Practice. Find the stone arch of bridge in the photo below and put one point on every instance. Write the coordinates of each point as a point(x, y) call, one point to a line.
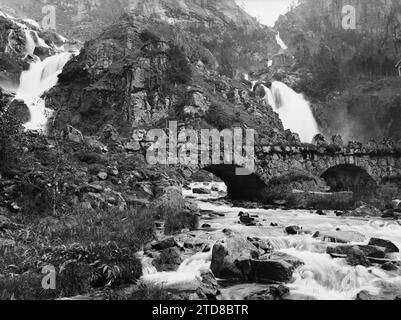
point(348, 177)
point(241, 184)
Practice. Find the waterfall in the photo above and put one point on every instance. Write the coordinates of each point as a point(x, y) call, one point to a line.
point(280, 42)
point(41, 77)
point(30, 44)
point(293, 109)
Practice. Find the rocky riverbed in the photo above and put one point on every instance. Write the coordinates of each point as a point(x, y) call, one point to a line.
point(274, 254)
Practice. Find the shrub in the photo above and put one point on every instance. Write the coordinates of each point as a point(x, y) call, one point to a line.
point(9, 136)
point(131, 228)
point(179, 70)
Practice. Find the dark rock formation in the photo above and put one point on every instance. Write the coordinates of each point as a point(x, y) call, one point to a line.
point(140, 72)
point(388, 245)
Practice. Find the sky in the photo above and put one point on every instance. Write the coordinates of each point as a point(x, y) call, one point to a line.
point(267, 11)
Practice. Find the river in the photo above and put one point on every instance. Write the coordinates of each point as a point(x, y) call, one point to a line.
point(321, 277)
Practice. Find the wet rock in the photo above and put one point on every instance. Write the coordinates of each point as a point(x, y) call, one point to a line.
point(169, 260)
point(368, 251)
point(164, 244)
point(246, 219)
point(293, 230)
point(366, 296)
point(320, 212)
point(274, 292)
point(261, 245)
point(227, 232)
point(356, 257)
point(225, 255)
point(206, 226)
point(266, 271)
point(388, 245)
point(209, 289)
point(281, 256)
point(341, 236)
point(201, 191)
point(389, 266)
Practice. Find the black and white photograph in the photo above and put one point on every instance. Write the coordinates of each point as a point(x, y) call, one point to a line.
point(203, 156)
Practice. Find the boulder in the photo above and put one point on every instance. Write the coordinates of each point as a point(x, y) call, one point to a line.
point(356, 257)
point(388, 245)
point(164, 244)
point(266, 271)
point(238, 259)
point(293, 230)
point(368, 251)
point(264, 246)
point(169, 260)
point(273, 292)
point(389, 266)
point(227, 252)
point(246, 219)
point(280, 256)
point(209, 288)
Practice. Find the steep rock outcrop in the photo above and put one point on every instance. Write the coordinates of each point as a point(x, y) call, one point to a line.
point(136, 76)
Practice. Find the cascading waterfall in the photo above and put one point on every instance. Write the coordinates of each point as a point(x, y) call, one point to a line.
point(30, 42)
point(41, 77)
point(280, 42)
point(294, 110)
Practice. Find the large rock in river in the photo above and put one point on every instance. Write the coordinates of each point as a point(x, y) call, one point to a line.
point(238, 259)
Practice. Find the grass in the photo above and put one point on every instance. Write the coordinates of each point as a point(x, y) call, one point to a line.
point(88, 250)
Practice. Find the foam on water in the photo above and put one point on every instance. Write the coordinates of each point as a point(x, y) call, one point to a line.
point(187, 277)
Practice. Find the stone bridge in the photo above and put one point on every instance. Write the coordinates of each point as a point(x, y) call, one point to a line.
point(359, 163)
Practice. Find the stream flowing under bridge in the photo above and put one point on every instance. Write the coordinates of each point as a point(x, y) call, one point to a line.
point(359, 164)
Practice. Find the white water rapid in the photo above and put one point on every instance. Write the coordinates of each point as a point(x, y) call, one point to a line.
point(293, 109)
point(321, 277)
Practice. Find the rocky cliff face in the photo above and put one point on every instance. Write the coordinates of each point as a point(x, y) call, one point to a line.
point(316, 27)
point(349, 73)
point(180, 63)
